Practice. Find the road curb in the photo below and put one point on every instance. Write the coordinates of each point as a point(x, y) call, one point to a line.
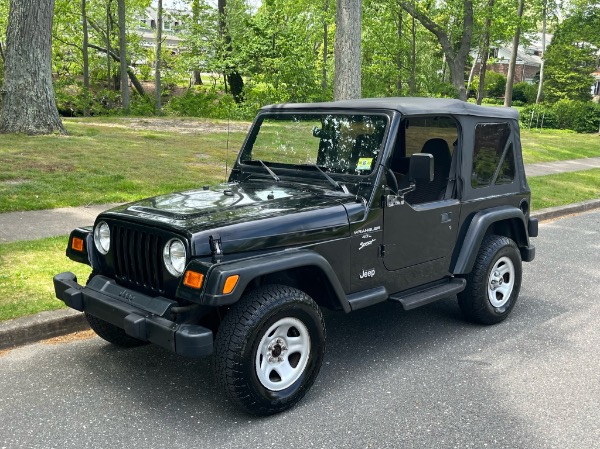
point(44, 325)
point(560, 211)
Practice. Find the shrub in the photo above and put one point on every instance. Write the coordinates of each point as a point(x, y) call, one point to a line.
point(524, 93)
point(210, 104)
point(495, 84)
point(579, 116)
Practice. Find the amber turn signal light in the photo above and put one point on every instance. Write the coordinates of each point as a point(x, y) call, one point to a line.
point(77, 244)
point(230, 284)
point(193, 279)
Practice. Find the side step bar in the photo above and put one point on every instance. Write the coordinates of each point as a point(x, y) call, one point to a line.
point(413, 299)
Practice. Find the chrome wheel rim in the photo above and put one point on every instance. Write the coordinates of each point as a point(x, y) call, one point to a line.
point(282, 354)
point(501, 282)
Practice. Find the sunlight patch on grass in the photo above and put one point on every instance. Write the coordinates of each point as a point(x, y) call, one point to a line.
point(26, 271)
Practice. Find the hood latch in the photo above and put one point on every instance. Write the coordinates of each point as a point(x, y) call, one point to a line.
point(216, 247)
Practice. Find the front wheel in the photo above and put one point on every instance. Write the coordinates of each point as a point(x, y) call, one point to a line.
point(269, 349)
point(494, 283)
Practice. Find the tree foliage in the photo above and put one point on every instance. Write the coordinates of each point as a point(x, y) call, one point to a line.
point(571, 57)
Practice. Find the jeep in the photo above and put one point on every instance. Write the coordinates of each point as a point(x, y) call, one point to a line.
point(337, 205)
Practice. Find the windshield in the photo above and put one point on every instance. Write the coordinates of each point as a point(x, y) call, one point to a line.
point(336, 143)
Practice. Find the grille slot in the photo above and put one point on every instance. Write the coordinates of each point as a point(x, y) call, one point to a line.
point(137, 257)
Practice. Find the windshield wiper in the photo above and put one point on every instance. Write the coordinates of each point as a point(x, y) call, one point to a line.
point(332, 181)
point(271, 172)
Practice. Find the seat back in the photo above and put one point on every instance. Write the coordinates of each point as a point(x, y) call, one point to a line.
point(436, 189)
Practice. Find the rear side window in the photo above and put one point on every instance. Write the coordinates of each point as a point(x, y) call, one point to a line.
point(493, 155)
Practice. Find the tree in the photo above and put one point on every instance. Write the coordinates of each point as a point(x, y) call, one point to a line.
point(571, 56)
point(485, 51)
point(86, 69)
point(28, 104)
point(455, 40)
point(538, 98)
point(159, 27)
point(510, 79)
point(123, 55)
point(233, 78)
point(347, 50)
point(196, 12)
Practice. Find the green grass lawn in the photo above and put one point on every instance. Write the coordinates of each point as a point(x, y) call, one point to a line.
point(112, 159)
point(26, 271)
point(557, 145)
point(564, 188)
point(104, 160)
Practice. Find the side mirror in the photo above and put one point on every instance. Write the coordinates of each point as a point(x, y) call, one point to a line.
point(421, 167)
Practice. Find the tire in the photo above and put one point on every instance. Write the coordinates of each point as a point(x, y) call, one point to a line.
point(110, 332)
point(269, 349)
point(494, 283)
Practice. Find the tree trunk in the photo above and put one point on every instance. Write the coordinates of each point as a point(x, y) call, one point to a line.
point(412, 83)
point(157, 86)
point(232, 77)
point(325, 45)
point(472, 72)
point(485, 52)
point(513, 58)
point(108, 50)
point(538, 98)
point(1, 51)
point(123, 56)
point(347, 49)
point(399, 54)
point(196, 75)
point(86, 70)
point(28, 104)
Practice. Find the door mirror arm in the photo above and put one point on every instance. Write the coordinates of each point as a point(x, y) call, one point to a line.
point(398, 198)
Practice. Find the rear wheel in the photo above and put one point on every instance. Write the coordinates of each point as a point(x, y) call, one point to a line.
point(269, 349)
point(494, 283)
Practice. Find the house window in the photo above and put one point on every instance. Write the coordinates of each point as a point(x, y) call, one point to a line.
point(493, 155)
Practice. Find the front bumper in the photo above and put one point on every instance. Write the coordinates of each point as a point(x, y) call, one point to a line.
point(140, 316)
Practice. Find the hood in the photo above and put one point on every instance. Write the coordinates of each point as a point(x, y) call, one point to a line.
point(247, 216)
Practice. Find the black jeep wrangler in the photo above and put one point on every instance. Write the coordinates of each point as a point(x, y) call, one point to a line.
point(332, 205)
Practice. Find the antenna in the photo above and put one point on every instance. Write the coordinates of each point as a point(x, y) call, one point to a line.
point(227, 150)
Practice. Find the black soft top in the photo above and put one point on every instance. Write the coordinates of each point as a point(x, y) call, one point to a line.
point(406, 106)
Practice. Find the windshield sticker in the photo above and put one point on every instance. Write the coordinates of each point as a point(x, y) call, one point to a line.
point(364, 163)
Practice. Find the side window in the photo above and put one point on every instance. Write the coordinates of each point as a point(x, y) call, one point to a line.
point(435, 135)
point(493, 155)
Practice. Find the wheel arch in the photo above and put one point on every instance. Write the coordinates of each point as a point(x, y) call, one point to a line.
point(506, 221)
point(304, 269)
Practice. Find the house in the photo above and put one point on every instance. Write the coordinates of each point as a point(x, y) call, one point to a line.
point(173, 20)
point(529, 59)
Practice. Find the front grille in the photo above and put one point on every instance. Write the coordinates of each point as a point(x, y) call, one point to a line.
point(138, 258)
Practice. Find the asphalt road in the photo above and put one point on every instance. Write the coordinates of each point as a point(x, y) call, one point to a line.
point(392, 379)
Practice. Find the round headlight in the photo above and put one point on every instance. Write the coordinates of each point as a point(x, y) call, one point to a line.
point(102, 237)
point(174, 257)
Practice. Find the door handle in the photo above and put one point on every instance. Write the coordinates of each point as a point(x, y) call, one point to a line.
point(446, 217)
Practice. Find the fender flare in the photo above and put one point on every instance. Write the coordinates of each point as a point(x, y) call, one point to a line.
point(249, 269)
point(478, 227)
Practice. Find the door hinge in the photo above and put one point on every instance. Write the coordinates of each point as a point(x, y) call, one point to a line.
point(381, 250)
